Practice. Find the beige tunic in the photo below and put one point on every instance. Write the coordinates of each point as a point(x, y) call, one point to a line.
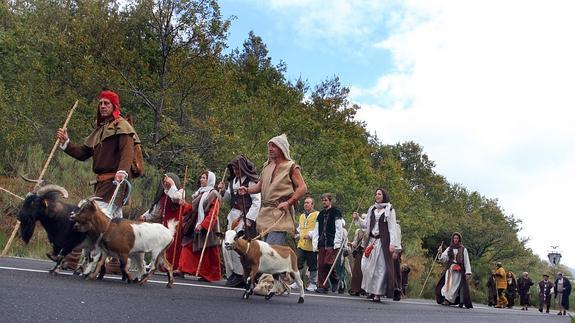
point(276, 189)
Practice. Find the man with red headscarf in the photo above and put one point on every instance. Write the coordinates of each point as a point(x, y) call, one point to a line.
point(111, 146)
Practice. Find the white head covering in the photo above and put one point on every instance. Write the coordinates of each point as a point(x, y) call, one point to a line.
point(282, 143)
point(204, 189)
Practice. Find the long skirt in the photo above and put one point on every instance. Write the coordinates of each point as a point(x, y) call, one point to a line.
point(524, 299)
point(451, 288)
point(374, 270)
point(210, 269)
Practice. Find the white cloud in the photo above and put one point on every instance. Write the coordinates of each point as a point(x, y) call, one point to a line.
point(486, 88)
point(331, 22)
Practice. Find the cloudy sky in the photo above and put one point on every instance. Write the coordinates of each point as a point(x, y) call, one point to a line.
point(486, 87)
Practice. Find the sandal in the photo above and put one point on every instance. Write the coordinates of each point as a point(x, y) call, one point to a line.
point(377, 299)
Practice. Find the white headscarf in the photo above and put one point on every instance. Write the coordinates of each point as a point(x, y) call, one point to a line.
point(283, 144)
point(204, 189)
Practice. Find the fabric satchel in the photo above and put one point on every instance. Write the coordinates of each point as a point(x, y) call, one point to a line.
point(368, 250)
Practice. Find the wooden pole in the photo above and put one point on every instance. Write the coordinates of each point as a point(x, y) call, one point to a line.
point(209, 229)
point(340, 248)
point(206, 240)
point(7, 191)
point(180, 215)
point(50, 156)
point(430, 270)
point(343, 242)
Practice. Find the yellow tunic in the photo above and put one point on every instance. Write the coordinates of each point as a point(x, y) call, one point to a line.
point(305, 226)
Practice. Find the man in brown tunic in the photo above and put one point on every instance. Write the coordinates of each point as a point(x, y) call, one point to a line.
point(281, 185)
point(111, 146)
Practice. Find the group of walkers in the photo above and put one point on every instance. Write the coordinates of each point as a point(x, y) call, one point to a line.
point(503, 289)
point(263, 206)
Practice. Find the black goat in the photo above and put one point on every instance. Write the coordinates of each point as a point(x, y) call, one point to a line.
point(45, 205)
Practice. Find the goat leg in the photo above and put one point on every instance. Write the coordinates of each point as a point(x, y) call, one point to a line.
point(125, 273)
point(163, 261)
point(249, 288)
point(100, 263)
point(270, 295)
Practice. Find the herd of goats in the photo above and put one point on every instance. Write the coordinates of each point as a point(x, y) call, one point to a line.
point(85, 226)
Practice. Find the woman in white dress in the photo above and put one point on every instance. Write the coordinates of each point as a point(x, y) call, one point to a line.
point(453, 288)
point(376, 264)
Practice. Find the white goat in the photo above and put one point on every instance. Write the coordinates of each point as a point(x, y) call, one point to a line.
point(264, 258)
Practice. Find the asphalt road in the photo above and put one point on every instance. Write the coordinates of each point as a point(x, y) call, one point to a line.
point(28, 293)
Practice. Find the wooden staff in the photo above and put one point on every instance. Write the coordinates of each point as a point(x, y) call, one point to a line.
point(7, 191)
point(209, 229)
point(430, 269)
point(17, 226)
point(206, 240)
point(180, 215)
point(343, 242)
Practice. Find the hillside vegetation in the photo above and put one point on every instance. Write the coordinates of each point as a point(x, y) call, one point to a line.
point(197, 105)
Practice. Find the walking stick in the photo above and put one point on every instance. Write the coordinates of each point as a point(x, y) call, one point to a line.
point(7, 191)
point(340, 249)
point(180, 215)
point(338, 254)
point(207, 234)
point(430, 270)
point(17, 226)
point(209, 229)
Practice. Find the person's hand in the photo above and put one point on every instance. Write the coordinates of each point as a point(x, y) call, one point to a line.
point(243, 190)
point(62, 135)
point(120, 176)
point(468, 276)
point(284, 206)
point(355, 215)
point(306, 236)
point(440, 249)
point(394, 255)
point(221, 185)
point(198, 227)
point(249, 223)
point(141, 218)
point(391, 248)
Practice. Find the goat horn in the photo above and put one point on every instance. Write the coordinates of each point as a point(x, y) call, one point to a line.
point(52, 188)
point(31, 180)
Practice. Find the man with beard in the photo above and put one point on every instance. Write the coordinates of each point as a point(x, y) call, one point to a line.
point(562, 292)
point(281, 185)
point(327, 237)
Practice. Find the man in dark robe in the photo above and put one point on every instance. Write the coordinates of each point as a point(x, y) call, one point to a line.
point(562, 292)
point(491, 290)
point(524, 283)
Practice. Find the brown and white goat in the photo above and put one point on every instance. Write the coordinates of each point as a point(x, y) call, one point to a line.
point(125, 239)
point(264, 258)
